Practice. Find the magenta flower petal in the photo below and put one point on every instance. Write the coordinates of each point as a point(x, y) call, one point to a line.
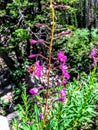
point(64, 70)
point(93, 53)
point(62, 95)
point(41, 116)
point(29, 122)
point(61, 56)
point(62, 6)
point(63, 66)
point(65, 33)
point(36, 41)
point(41, 87)
point(33, 41)
point(34, 91)
point(38, 69)
point(29, 68)
point(63, 92)
point(66, 75)
point(41, 41)
point(32, 56)
point(95, 60)
point(64, 82)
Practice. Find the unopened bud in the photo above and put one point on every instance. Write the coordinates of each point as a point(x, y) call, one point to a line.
point(52, 23)
point(51, 6)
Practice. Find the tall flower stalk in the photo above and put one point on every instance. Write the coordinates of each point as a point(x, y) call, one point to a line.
point(38, 70)
point(49, 59)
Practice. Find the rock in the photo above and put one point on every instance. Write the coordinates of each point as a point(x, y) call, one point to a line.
point(4, 123)
point(7, 98)
point(2, 112)
point(32, 80)
point(11, 116)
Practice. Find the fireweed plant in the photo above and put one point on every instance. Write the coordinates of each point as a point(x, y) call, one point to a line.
point(38, 70)
point(65, 106)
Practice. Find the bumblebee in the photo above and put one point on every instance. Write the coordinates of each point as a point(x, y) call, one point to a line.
point(32, 68)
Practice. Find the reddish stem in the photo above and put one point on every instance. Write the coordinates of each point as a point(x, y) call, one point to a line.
point(49, 63)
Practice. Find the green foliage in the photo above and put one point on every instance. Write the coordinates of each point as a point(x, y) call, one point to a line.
point(27, 114)
point(18, 76)
point(77, 48)
point(4, 105)
point(2, 12)
point(75, 113)
point(79, 108)
point(20, 71)
point(15, 124)
point(20, 35)
point(19, 4)
point(94, 34)
point(69, 15)
point(68, 2)
point(14, 13)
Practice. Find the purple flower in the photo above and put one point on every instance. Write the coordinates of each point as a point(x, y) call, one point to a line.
point(32, 56)
point(95, 60)
point(61, 56)
point(41, 87)
point(64, 70)
point(62, 95)
point(65, 33)
point(29, 69)
point(41, 41)
point(96, 44)
point(41, 116)
point(66, 74)
point(93, 53)
point(29, 122)
point(34, 91)
point(62, 6)
point(32, 41)
point(64, 82)
point(38, 69)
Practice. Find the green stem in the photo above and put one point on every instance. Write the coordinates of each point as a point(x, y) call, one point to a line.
point(91, 82)
point(92, 76)
point(59, 114)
